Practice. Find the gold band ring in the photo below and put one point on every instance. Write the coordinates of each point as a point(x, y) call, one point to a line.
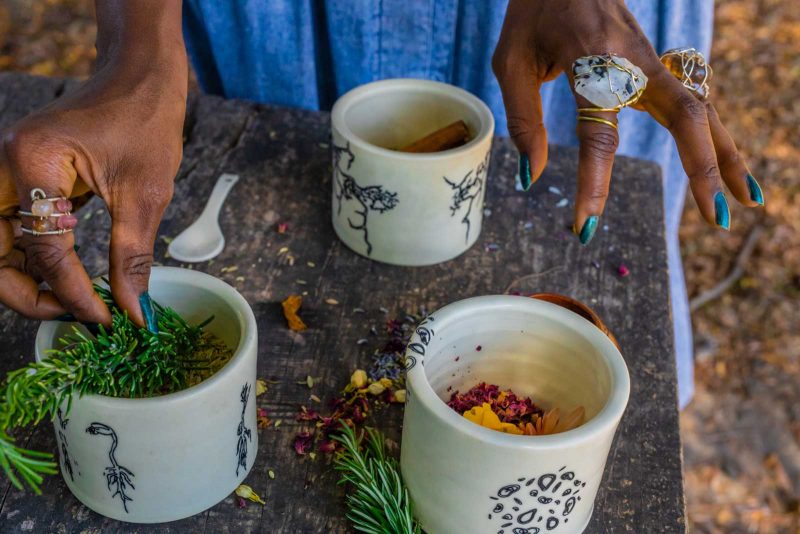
point(596, 119)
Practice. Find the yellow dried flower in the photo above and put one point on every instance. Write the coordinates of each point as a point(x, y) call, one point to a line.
point(359, 379)
point(376, 388)
point(261, 387)
point(400, 395)
point(246, 492)
point(386, 382)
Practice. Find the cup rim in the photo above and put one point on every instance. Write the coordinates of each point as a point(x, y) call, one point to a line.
point(356, 95)
point(247, 337)
point(603, 422)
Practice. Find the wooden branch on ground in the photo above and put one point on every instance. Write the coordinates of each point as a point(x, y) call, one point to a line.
point(736, 273)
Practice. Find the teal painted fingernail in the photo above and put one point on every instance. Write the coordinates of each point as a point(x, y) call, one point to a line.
point(588, 230)
point(722, 212)
point(756, 195)
point(524, 172)
point(149, 312)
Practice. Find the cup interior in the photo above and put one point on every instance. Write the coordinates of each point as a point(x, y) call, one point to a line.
point(393, 113)
point(556, 363)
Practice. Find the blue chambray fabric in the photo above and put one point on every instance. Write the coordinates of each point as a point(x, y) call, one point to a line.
point(306, 53)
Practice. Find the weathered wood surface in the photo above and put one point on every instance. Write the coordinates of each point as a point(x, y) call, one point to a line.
point(282, 157)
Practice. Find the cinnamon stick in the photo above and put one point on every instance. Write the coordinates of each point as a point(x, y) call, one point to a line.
point(451, 136)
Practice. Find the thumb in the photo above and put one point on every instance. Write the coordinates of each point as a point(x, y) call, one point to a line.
point(133, 233)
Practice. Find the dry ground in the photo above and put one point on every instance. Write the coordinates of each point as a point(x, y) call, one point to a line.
point(741, 432)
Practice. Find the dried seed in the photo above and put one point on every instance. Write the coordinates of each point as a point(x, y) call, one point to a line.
point(332, 302)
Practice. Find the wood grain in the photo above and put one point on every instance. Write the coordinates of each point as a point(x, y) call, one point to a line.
point(282, 157)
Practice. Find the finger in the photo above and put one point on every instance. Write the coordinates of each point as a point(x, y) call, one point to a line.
point(16, 259)
point(685, 117)
point(22, 294)
point(598, 145)
point(17, 291)
point(6, 237)
point(133, 234)
point(520, 85)
point(734, 170)
point(54, 259)
point(37, 159)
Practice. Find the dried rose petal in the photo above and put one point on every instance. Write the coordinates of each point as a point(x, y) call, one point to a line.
point(303, 442)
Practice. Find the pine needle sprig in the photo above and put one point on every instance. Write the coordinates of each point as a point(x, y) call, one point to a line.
point(378, 502)
point(125, 361)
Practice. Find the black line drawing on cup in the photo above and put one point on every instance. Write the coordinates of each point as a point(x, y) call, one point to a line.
point(468, 191)
point(371, 198)
point(243, 433)
point(116, 475)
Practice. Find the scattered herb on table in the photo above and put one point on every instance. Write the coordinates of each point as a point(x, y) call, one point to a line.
point(502, 410)
point(125, 361)
point(378, 502)
point(384, 382)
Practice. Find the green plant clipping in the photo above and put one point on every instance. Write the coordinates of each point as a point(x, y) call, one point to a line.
point(125, 361)
point(378, 502)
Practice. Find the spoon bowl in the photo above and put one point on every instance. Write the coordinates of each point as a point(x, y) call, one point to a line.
point(203, 240)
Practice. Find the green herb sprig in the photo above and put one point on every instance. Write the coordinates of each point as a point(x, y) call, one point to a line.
point(379, 502)
point(125, 361)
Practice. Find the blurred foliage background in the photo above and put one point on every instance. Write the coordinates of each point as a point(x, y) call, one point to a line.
point(741, 433)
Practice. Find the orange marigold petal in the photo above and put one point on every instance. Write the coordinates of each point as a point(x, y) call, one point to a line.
point(290, 308)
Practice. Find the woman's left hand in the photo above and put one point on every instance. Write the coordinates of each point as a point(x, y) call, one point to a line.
point(542, 39)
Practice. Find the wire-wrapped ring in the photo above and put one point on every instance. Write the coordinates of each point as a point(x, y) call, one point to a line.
point(609, 82)
point(690, 67)
point(46, 219)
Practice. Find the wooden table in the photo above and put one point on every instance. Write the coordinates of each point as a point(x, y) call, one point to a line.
point(282, 156)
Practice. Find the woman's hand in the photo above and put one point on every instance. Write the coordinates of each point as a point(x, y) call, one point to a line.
point(118, 135)
point(541, 39)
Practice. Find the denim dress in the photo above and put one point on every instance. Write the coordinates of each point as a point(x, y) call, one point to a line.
point(305, 54)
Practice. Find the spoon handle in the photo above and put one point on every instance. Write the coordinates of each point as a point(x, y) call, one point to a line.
point(218, 195)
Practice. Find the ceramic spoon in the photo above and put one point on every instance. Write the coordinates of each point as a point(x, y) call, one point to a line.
point(203, 240)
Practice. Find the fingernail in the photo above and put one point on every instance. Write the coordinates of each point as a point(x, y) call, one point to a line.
point(66, 318)
point(149, 312)
point(589, 228)
point(756, 195)
point(76, 248)
point(722, 213)
point(524, 172)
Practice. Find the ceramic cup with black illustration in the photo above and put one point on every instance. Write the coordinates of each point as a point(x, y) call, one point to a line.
point(463, 477)
point(165, 458)
point(404, 208)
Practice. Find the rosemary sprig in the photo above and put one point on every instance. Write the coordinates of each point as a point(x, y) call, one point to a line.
point(379, 502)
point(125, 361)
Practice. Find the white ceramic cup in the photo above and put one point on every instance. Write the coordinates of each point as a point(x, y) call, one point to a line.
point(463, 477)
point(403, 208)
point(165, 458)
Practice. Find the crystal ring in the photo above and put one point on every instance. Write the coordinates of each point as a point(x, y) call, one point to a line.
point(48, 215)
point(609, 82)
point(689, 66)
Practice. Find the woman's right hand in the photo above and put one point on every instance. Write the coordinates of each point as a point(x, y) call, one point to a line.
point(118, 135)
